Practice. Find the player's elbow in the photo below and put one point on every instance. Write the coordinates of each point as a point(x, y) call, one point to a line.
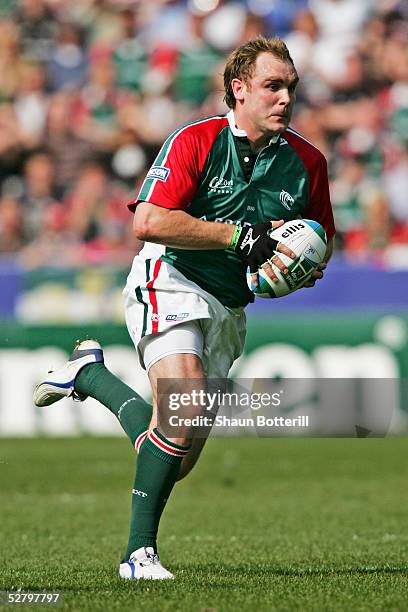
point(145, 222)
point(141, 230)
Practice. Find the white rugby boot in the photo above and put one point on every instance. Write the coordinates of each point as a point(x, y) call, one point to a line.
point(144, 564)
point(60, 383)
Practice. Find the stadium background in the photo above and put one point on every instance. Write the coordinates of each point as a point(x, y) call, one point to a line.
point(88, 92)
point(89, 89)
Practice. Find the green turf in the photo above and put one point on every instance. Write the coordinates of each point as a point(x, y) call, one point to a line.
point(306, 524)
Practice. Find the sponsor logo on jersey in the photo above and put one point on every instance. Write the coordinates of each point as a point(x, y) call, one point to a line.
point(218, 184)
point(286, 199)
point(177, 317)
point(292, 229)
point(158, 172)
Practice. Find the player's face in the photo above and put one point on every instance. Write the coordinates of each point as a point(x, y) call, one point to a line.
point(266, 100)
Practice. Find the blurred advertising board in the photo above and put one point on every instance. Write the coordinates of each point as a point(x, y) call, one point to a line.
point(94, 294)
point(303, 346)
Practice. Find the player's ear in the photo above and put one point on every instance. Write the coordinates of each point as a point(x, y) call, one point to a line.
point(238, 88)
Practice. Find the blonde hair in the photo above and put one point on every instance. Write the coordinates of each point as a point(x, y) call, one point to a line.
point(241, 62)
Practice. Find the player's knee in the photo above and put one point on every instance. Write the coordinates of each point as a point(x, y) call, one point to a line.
point(191, 368)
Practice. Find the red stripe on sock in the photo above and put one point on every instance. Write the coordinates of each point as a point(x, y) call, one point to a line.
point(178, 452)
point(140, 439)
point(153, 297)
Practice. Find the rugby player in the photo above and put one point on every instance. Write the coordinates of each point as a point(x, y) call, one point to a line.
point(205, 211)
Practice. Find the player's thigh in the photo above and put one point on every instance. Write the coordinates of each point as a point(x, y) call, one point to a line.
point(185, 367)
point(177, 366)
point(186, 375)
point(180, 367)
point(175, 353)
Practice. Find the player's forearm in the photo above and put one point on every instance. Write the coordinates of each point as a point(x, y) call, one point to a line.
point(176, 228)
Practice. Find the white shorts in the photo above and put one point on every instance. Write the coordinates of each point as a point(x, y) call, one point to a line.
point(160, 301)
point(183, 338)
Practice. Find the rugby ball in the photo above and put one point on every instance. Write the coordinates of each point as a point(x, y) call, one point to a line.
point(308, 240)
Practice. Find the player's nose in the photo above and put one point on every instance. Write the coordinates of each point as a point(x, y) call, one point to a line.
point(284, 98)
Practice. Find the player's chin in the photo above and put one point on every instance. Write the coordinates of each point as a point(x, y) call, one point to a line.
point(279, 124)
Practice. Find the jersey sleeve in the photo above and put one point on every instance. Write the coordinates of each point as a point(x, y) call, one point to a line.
point(319, 207)
point(174, 177)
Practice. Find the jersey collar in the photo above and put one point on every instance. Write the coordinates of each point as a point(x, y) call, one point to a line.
point(242, 133)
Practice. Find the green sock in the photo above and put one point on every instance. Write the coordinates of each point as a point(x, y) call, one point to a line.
point(158, 465)
point(133, 413)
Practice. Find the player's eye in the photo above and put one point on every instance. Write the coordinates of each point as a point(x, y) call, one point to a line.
point(292, 87)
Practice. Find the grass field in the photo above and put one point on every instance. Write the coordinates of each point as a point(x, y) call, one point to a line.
point(305, 524)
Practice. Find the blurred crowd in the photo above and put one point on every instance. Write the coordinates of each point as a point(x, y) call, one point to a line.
point(89, 89)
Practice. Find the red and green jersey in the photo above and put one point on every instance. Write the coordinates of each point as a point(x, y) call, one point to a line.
point(201, 169)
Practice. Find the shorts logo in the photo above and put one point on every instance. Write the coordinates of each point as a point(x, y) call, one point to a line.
point(286, 199)
point(177, 317)
point(158, 172)
point(155, 317)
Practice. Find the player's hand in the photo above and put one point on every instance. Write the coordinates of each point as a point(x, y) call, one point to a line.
point(257, 249)
point(316, 275)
